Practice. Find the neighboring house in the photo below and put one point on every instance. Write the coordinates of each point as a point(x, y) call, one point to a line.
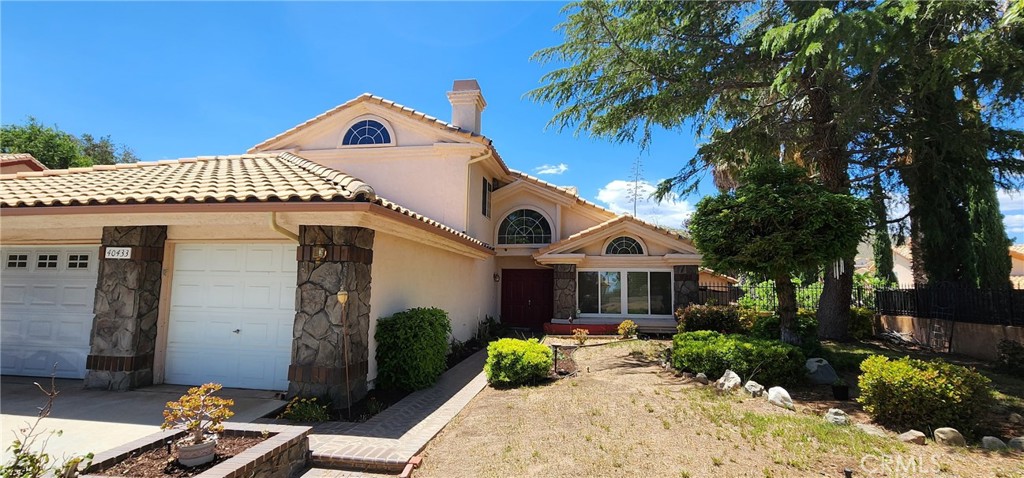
point(19, 163)
point(1017, 268)
point(903, 268)
point(226, 268)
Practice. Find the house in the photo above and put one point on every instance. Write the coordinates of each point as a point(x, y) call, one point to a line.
point(19, 162)
point(902, 264)
point(228, 268)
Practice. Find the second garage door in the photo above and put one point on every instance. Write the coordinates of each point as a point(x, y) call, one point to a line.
point(231, 314)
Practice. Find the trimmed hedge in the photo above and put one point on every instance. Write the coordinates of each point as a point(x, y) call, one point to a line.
point(769, 362)
point(513, 362)
point(908, 393)
point(719, 318)
point(411, 348)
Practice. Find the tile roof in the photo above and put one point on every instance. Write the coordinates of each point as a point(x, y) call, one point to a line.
point(569, 191)
point(12, 159)
point(15, 156)
point(251, 177)
point(1017, 250)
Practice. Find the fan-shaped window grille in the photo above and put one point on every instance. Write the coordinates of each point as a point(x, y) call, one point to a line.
point(624, 245)
point(524, 226)
point(367, 132)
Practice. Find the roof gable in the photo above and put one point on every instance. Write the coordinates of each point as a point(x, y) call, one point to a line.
point(621, 225)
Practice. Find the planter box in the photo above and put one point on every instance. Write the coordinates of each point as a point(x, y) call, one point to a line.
point(284, 453)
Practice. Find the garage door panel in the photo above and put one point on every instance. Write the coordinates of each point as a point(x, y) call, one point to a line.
point(238, 287)
point(189, 258)
point(46, 302)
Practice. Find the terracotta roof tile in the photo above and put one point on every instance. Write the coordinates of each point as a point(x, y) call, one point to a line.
point(260, 177)
point(1017, 250)
point(608, 224)
point(568, 191)
point(11, 160)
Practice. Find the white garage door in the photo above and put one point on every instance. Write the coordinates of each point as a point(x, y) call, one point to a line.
point(232, 309)
point(46, 299)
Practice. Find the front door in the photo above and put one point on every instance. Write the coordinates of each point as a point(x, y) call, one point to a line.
point(527, 297)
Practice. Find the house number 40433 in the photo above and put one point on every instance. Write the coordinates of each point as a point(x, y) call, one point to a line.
point(118, 253)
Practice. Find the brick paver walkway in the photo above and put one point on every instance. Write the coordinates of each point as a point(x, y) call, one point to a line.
point(386, 442)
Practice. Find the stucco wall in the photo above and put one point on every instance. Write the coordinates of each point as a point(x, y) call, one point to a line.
point(478, 225)
point(973, 340)
point(707, 278)
point(1018, 266)
point(407, 274)
point(902, 268)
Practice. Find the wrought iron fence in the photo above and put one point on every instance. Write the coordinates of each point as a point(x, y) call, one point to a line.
point(939, 301)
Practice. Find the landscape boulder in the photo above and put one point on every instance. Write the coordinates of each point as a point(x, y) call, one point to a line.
point(729, 381)
point(949, 437)
point(1016, 444)
point(836, 416)
point(1016, 419)
point(820, 372)
point(992, 444)
point(913, 436)
point(779, 397)
point(701, 378)
point(753, 388)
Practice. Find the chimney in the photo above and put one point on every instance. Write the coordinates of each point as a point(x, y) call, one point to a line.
point(467, 104)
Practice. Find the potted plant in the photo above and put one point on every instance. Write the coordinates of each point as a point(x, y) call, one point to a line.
point(840, 390)
point(201, 414)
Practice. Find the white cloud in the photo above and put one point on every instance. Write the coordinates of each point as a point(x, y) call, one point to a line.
point(670, 213)
point(551, 168)
point(1011, 204)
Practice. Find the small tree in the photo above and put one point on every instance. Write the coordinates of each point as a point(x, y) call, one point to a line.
point(778, 222)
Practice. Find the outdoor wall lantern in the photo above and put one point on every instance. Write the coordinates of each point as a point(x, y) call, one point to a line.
point(319, 253)
point(497, 277)
point(342, 296)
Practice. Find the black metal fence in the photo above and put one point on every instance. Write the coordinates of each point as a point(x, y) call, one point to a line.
point(940, 301)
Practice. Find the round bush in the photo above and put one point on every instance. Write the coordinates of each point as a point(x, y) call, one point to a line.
point(908, 393)
point(411, 348)
point(513, 362)
point(862, 320)
point(769, 362)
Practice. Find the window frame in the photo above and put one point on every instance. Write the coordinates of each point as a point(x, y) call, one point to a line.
point(488, 190)
point(608, 243)
point(348, 126)
point(624, 292)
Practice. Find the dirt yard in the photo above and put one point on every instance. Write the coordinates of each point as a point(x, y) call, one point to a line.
point(624, 415)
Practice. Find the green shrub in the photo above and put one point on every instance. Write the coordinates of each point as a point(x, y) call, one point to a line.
point(719, 318)
point(306, 410)
point(767, 361)
point(513, 362)
point(768, 328)
point(1011, 356)
point(627, 329)
point(862, 320)
point(908, 393)
point(411, 348)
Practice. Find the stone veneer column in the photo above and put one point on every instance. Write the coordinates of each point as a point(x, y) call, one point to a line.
point(331, 258)
point(565, 291)
point(685, 284)
point(123, 337)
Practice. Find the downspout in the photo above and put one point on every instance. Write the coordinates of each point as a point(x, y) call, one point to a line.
point(281, 230)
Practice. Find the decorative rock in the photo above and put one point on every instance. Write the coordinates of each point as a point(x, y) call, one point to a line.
point(687, 375)
point(1016, 444)
point(1016, 419)
point(820, 372)
point(871, 429)
point(753, 388)
point(913, 436)
point(992, 444)
point(729, 381)
point(779, 397)
point(701, 378)
point(836, 416)
point(949, 437)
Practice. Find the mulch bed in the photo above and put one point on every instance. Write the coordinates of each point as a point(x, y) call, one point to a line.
point(157, 463)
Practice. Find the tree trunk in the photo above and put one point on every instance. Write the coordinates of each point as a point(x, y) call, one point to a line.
point(834, 304)
point(786, 292)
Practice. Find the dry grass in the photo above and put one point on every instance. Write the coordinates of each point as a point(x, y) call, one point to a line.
point(626, 416)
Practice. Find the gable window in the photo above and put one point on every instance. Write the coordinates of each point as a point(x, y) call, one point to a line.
point(485, 207)
point(367, 132)
point(524, 226)
point(625, 292)
point(624, 245)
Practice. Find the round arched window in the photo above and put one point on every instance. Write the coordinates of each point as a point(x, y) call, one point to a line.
point(524, 226)
point(624, 245)
point(367, 132)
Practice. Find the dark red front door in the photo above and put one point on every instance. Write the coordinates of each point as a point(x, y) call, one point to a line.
point(527, 297)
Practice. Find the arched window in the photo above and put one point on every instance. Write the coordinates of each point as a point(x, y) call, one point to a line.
point(524, 226)
point(367, 132)
point(624, 245)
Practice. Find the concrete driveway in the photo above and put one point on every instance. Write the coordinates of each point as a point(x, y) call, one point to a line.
point(94, 420)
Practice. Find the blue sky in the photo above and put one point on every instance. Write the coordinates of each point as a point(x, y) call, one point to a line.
point(183, 79)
